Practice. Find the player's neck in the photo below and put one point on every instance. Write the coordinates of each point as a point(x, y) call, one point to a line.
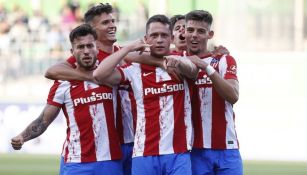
point(106, 47)
point(200, 54)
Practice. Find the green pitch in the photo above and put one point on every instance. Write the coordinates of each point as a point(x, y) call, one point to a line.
point(28, 164)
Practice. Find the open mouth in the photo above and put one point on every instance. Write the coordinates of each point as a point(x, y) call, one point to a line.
point(181, 37)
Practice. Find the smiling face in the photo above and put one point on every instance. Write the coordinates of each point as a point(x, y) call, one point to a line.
point(197, 34)
point(104, 25)
point(159, 36)
point(84, 50)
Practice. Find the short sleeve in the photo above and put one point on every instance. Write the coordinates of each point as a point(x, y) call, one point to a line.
point(231, 68)
point(56, 94)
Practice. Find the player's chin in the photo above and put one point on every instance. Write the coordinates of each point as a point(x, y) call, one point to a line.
point(112, 39)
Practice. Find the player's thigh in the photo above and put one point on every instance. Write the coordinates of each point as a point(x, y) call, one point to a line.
point(127, 158)
point(148, 165)
point(231, 163)
point(110, 167)
point(77, 168)
point(202, 163)
point(178, 164)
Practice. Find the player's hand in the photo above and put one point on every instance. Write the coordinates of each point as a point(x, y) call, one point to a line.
point(197, 61)
point(172, 61)
point(170, 64)
point(17, 142)
point(219, 51)
point(138, 45)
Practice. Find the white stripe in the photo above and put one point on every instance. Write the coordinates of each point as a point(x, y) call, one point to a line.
point(166, 121)
point(100, 132)
point(74, 145)
point(134, 72)
point(230, 130)
point(205, 95)
point(188, 117)
point(127, 119)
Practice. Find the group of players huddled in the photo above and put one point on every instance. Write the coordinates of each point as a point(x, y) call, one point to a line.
point(144, 109)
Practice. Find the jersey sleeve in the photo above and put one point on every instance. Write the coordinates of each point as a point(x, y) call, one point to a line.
point(126, 72)
point(72, 61)
point(56, 94)
point(230, 69)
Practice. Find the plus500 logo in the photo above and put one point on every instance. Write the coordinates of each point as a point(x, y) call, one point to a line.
point(165, 88)
point(94, 97)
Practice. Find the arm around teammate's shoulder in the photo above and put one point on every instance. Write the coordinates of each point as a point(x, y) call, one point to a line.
point(106, 72)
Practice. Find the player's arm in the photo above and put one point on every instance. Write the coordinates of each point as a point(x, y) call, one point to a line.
point(144, 58)
point(226, 88)
point(219, 51)
point(64, 71)
point(106, 72)
point(183, 66)
point(37, 127)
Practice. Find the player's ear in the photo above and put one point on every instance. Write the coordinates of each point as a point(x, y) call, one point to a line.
point(211, 33)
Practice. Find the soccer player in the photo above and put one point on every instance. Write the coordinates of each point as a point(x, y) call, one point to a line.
point(163, 135)
point(215, 148)
point(102, 19)
point(178, 39)
point(91, 146)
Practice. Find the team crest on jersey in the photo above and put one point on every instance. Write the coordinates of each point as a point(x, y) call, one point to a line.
point(232, 69)
point(214, 62)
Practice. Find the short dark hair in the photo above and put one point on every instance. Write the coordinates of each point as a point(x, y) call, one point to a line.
point(97, 10)
point(199, 15)
point(82, 30)
point(158, 18)
point(174, 19)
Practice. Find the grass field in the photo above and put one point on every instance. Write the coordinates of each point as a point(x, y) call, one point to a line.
point(26, 164)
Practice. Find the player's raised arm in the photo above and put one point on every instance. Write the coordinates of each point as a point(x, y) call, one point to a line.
point(106, 72)
point(37, 127)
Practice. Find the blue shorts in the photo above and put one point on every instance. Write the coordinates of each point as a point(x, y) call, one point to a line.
point(110, 167)
point(216, 162)
point(170, 164)
point(127, 149)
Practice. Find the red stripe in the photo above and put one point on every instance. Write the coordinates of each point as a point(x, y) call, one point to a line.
point(84, 122)
point(52, 91)
point(112, 134)
point(119, 119)
point(218, 135)
point(196, 118)
point(180, 139)
point(152, 112)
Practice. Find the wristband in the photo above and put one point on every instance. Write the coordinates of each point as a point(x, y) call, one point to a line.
point(209, 70)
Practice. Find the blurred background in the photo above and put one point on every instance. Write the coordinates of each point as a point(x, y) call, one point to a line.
point(268, 38)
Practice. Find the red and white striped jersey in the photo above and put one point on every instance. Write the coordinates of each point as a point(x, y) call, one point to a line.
point(89, 110)
point(126, 108)
point(164, 124)
point(126, 113)
point(213, 116)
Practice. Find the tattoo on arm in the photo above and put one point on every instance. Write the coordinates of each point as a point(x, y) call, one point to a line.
point(36, 128)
